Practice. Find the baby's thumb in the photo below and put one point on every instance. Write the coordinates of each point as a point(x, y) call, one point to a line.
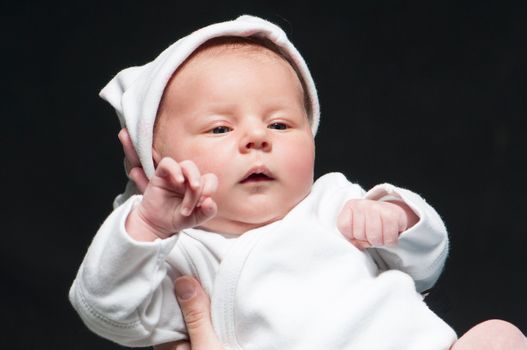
point(206, 211)
point(195, 306)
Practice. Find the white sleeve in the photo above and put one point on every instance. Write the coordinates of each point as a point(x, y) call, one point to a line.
point(123, 290)
point(129, 191)
point(422, 249)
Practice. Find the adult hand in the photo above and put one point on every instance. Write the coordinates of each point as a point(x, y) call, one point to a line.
point(195, 306)
point(131, 162)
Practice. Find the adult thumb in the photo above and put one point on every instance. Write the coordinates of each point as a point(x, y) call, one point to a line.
point(195, 306)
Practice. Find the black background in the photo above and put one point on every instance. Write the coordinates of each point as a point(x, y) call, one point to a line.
point(428, 95)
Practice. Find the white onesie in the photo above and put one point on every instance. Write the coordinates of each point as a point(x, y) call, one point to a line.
point(296, 283)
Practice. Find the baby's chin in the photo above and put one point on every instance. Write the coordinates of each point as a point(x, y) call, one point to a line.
point(245, 220)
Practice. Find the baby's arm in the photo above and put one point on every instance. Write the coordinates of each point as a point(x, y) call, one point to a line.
point(123, 290)
point(405, 231)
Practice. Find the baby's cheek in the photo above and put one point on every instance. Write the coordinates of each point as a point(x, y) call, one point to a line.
point(302, 160)
point(211, 159)
point(299, 168)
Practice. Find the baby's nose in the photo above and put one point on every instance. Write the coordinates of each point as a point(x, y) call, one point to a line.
point(256, 139)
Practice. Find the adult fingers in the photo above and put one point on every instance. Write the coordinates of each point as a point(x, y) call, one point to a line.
point(132, 164)
point(195, 306)
point(128, 148)
point(138, 176)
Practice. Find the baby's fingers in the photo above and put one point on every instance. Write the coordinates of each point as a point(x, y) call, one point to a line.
point(195, 184)
point(351, 221)
point(206, 207)
point(170, 171)
point(206, 211)
point(373, 227)
point(347, 221)
point(363, 235)
point(210, 185)
point(191, 174)
point(361, 245)
point(390, 224)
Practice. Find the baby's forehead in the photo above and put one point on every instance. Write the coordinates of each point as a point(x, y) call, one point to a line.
point(259, 48)
point(239, 43)
point(242, 46)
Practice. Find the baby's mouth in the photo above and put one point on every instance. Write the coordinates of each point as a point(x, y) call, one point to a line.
point(257, 174)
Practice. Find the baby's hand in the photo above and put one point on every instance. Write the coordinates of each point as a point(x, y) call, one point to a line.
point(369, 223)
point(177, 197)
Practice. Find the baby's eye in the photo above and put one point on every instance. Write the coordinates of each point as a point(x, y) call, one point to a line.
point(220, 129)
point(278, 126)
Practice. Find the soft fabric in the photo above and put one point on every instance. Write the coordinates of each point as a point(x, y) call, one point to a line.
point(296, 283)
point(135, 92)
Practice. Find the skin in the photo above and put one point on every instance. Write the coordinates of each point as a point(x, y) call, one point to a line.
point(247, 106)
point(227, 114)
point(195, 304)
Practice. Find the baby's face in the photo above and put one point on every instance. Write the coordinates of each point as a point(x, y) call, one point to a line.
point(239, 113)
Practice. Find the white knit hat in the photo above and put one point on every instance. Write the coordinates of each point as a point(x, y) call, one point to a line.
point(136, 92)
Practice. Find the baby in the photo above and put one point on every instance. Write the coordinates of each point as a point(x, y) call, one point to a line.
point(223, 122)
